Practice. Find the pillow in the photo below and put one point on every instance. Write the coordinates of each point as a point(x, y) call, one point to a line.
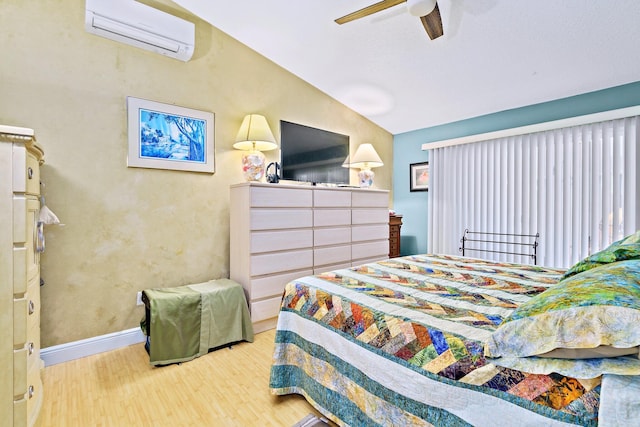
point(627, 248)
point(598, 307)
point(574, 368)
point(632, 238)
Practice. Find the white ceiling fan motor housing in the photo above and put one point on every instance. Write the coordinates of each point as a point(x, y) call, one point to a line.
point(420, 7)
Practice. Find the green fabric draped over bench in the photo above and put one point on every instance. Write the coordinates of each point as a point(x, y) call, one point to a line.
point(187, 321)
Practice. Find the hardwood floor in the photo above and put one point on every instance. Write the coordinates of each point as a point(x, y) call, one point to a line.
point(227, 387)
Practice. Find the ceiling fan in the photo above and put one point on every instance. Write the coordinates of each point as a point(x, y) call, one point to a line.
point(427, 10)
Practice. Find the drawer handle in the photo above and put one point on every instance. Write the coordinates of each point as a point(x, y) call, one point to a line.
point(31, 347)
point(32, 307)
point(31, 391)
point(29, 172)
point(40, 237)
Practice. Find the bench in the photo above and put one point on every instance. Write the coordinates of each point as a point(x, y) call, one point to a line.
point(186, 322)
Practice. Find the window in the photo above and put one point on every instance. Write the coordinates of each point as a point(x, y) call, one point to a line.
point(577, 186)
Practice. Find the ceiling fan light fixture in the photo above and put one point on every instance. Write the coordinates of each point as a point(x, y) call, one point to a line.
point(420, 7)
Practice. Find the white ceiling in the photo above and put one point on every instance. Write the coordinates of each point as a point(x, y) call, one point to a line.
point(495, 54)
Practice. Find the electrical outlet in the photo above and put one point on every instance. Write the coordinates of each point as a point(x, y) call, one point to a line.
point(139, 298)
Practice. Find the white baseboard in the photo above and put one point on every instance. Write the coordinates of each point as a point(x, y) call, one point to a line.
point(77, 349)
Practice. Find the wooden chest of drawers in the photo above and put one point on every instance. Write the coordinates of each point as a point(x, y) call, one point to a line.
point(395, 223)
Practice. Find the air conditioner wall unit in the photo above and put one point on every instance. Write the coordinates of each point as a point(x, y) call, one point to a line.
point(139, 25)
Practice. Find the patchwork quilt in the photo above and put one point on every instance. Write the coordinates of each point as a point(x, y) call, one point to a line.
point(400, 342)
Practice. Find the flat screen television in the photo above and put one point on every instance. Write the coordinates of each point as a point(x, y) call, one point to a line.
point(313, 155)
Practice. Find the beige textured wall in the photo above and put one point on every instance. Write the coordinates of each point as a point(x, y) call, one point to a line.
point(127, 229)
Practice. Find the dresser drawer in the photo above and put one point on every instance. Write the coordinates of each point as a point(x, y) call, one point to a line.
point(20, 224)
point(33, 301)
point(331, 198)
point(280, 197)
point(331, 236)
point(361, 233)
point(20, 412)
point(331, 217)
point(281, 262)
point(332, 255)
point(20, 326)
point(19, 270)
point(331, 267)
point(33, 288)
point(371, 199)
point(26, 171)
point(270, 286)
point(267, 241)
point(265, 309)
point(24, 360)
point(370, 250)
point(34, 394)
point(33, 339)
point(394, 248)
point(20, 361)
point(32, 174)
point(370, 216)
point(275, 219)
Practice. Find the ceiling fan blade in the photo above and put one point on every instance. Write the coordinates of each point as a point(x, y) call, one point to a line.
point(432, 22)
point(369, 10)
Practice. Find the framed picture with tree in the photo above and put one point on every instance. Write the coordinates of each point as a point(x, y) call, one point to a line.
point(165, 136)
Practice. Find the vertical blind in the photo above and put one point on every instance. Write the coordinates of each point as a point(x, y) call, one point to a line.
point(578, 187)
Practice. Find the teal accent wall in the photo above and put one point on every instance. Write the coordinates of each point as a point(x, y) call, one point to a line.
point(407, 147)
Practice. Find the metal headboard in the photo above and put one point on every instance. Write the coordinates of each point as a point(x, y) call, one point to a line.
point(505, 240)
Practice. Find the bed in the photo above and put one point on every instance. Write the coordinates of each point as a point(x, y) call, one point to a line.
point(403, 342)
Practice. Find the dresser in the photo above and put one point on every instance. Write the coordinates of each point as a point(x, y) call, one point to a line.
point(280, 232)
point(395, 223)
point(21, 242)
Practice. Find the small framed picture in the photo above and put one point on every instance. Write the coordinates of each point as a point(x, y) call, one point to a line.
point(419, 176)
point(165, 136)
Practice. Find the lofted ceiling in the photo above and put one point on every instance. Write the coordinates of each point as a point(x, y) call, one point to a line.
point(495, 54)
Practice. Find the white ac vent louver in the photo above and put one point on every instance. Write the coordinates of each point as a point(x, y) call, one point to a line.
point(139, 25)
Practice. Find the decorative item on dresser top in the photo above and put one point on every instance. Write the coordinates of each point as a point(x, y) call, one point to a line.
point(279, 233)
point(21, 242)
point(395, 223)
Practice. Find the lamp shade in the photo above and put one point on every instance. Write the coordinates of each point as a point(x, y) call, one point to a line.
point(366, 157)
point(255, 134)
point(346, 163)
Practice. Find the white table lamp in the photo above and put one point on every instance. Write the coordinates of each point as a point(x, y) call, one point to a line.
point(254, 137)
point(366, 158)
